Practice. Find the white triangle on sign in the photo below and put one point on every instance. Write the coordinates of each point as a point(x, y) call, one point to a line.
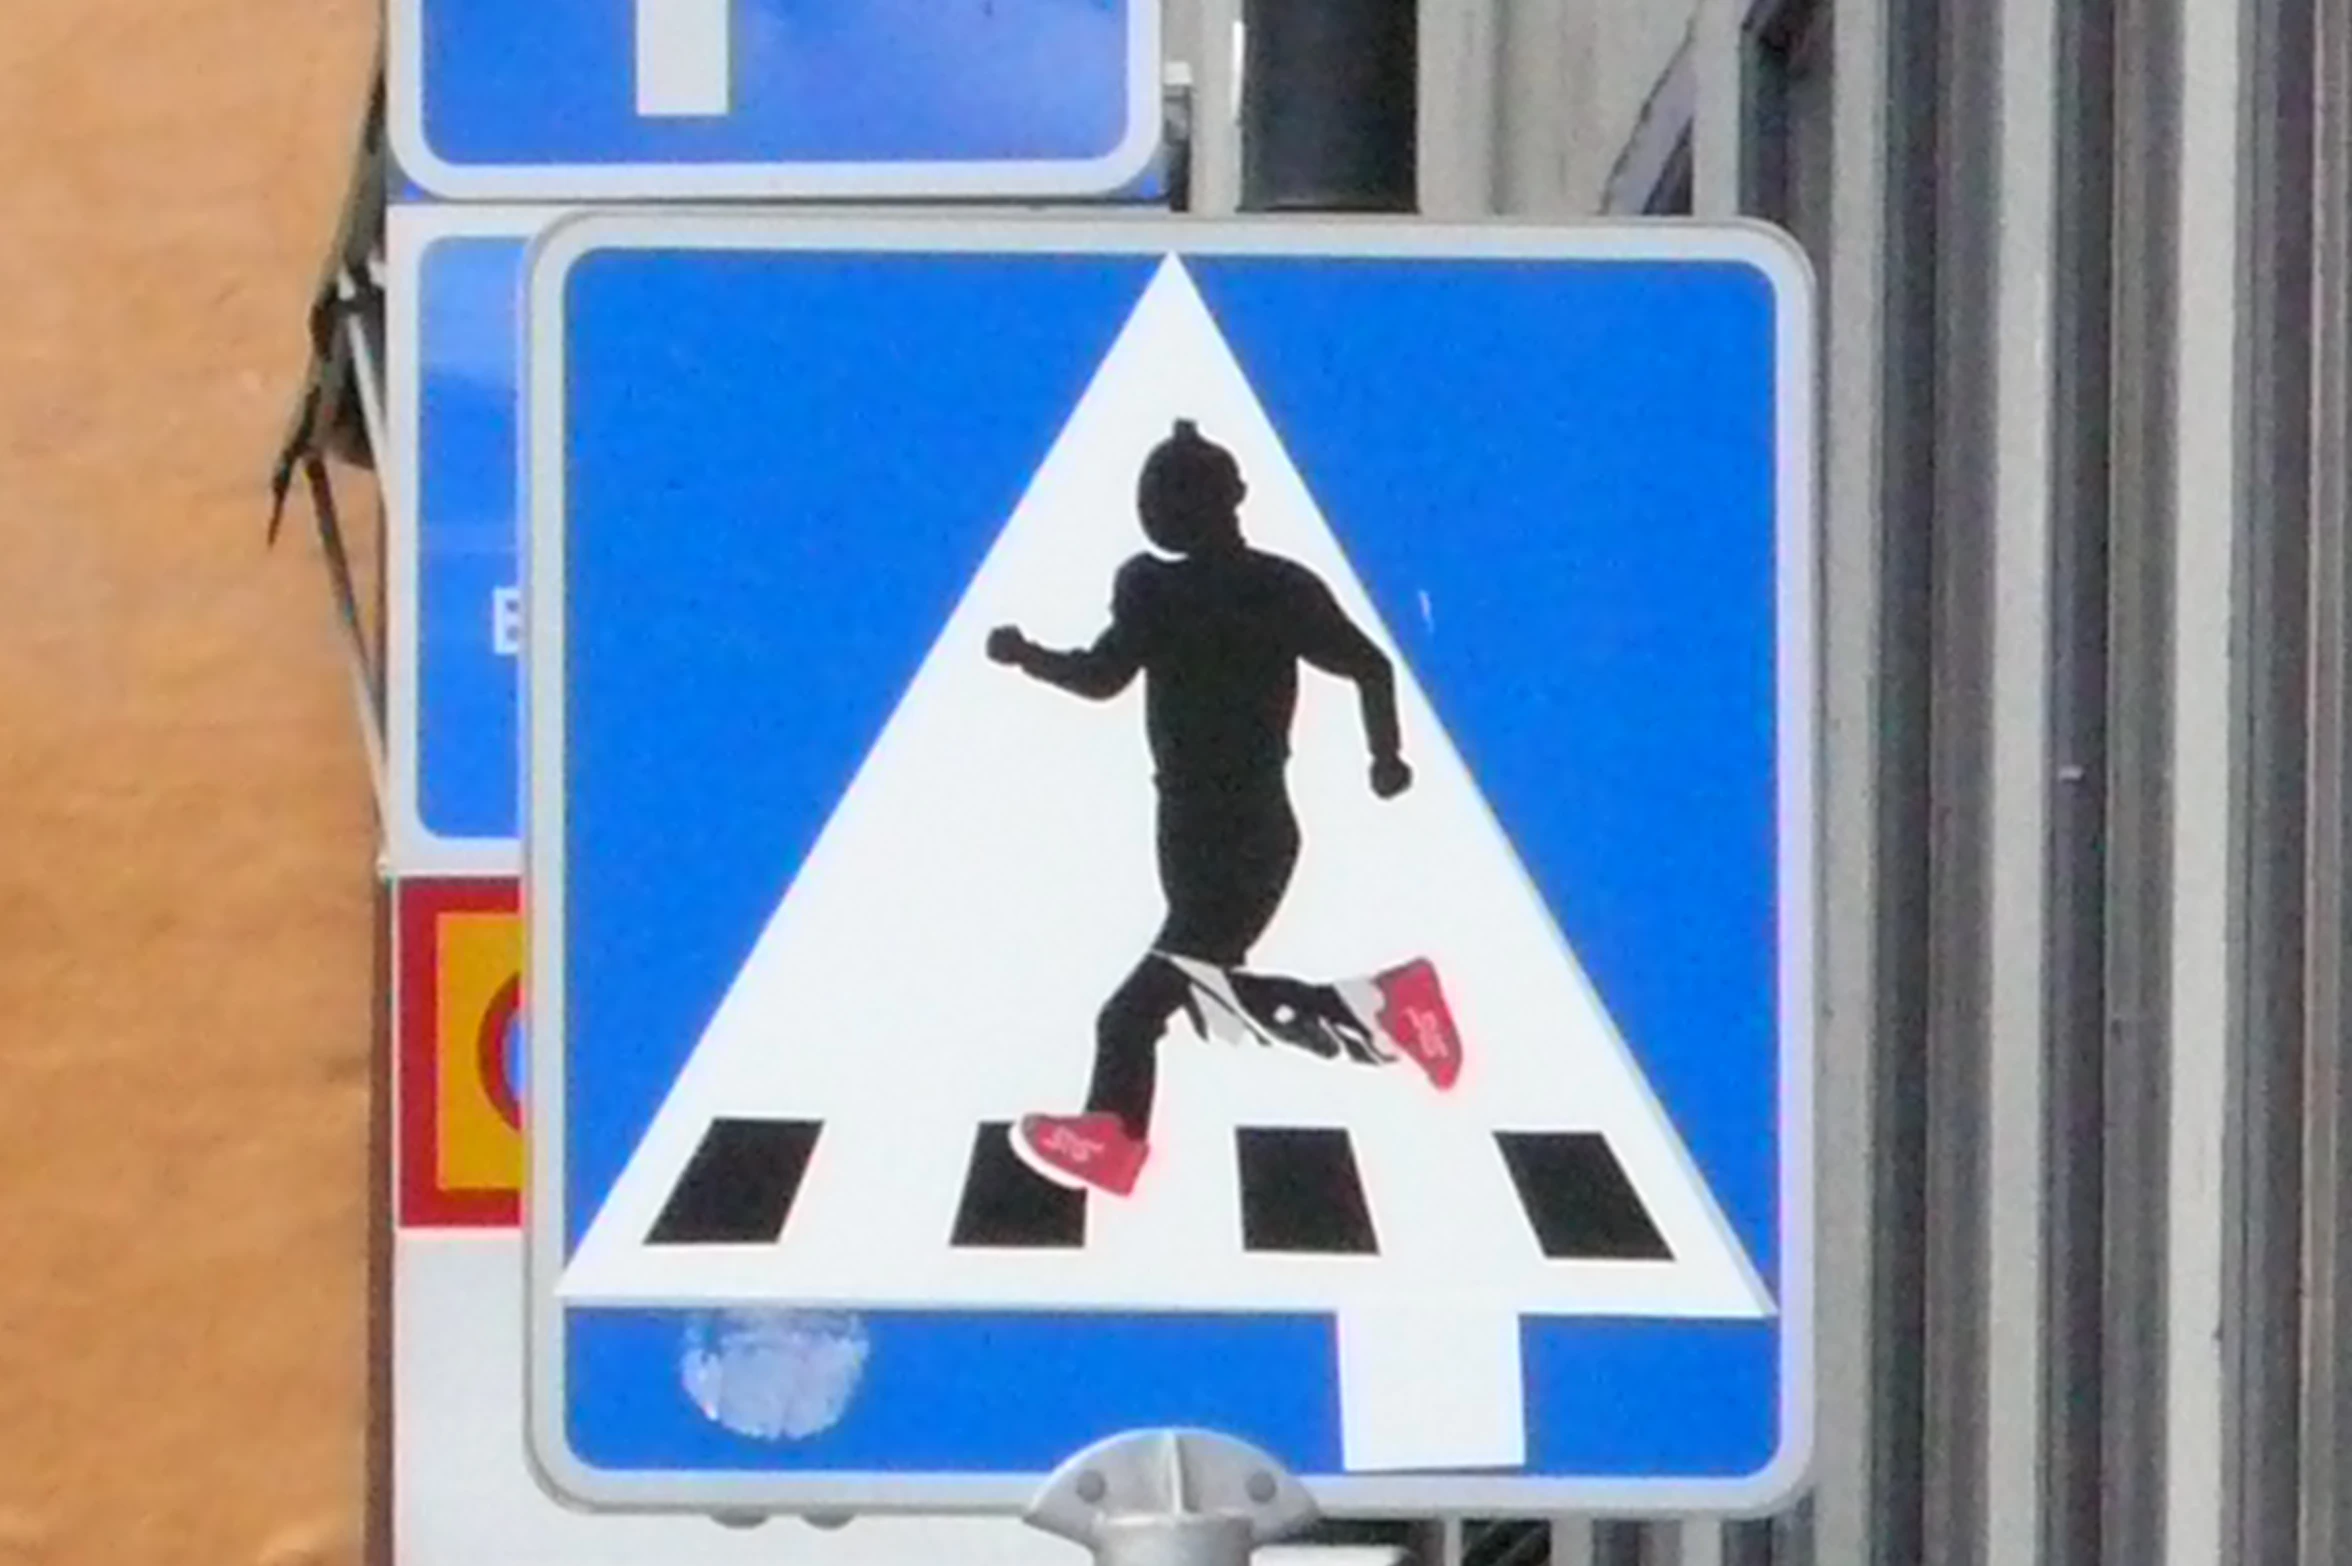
point(989, 877)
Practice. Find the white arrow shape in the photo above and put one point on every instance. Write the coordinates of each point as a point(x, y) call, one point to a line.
point(685, 57)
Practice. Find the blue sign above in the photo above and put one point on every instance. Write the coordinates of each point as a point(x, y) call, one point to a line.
point(1206, 825)
point(455, 597)
point(654, 99)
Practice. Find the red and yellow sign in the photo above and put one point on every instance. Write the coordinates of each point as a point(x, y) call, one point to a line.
point(461, 1126)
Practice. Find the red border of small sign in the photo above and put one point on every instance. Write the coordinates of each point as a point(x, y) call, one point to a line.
point(424, 1202)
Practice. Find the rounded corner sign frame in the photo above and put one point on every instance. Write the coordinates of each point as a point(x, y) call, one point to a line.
point(1629, 1491)
point(849, 178)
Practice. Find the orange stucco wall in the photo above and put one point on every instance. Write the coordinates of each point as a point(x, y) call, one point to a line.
point(185, 827)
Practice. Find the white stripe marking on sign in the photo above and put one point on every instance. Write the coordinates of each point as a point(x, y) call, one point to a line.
point(685, 58)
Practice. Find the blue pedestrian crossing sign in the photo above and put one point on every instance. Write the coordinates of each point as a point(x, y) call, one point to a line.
point(687, 99)
point(1180, 825)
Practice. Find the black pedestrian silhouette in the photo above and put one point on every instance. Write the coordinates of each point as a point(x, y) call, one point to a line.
point(1218, 634)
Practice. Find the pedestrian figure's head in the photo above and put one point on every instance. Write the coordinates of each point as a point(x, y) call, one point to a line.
point(1189, 494)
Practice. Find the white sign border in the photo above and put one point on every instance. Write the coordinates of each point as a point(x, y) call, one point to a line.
point(966, 179)
point(1772, 253)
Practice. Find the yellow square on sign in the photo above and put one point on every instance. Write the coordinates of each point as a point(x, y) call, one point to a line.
point(475, 1016)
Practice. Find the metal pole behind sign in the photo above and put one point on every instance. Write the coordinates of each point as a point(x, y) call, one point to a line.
point(1328, 105)
point(1327, 108)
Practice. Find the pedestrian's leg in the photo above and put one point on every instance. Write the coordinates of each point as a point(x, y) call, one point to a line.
point(1313, 1017)
point(1237, 885)
point(1226, 861)
point(1127, 1035)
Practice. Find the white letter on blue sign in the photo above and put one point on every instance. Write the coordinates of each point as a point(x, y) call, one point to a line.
point(685, 57)
point(506, 621)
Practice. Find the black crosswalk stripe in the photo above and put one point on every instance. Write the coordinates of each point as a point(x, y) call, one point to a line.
point(1009, 1206)
point(1576, 1195)
point(1301, 1194)
point(740, 1186)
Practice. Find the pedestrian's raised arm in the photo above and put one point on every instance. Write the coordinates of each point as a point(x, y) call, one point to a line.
point(1098, 672)
point(1332, 642)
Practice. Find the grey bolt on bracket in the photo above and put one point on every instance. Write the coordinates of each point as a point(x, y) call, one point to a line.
point(1171, 1498)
